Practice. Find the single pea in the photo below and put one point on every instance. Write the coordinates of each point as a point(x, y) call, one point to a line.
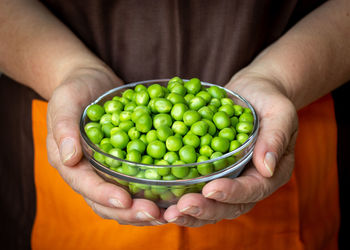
point(105, 141)
point(112, 106)
point(155, 91)
point(114, 130)
point(178, 191)
point(163, 171)
point(116, 98)
point(247, 111)
point(171, 157)
point(238, 110)
point(146, 159)
point(179, 89)
point(175, 79)
point(169, 177)
point(94, 134)
point(178, 111)
point(227, 101)
point(105, 147)
point(244, 127)
point(218, 164)
point(119, 139)
point(206, 150)
point(106, 118)
point(180, 172)
point(166, 91)
point(151, 136)
point(117, 152)
point(142, 97)
point(125, 116)
point(227, 133)
point(162, 120)
point(206, 140)
point(126, 125)
point(129, 94)
point(157, 189)
point(130, 106)
point(215, 102)
point(231, 160)
point(179, 127)
point(144, 123)
point(106, 129)
point(179, 162)
point(156, 149)
point(136, 145)
point(143, 139)
point(99, 157)
point(173, 143)
point(220, 144)
point(206, 112)
point(211, 128)
point(175, 98)
point(228, 109)
point(124, 100)
point(216, 92)
point(200, 128)
point(193, 173)
point(193, 86)
point(95, 112)
point(152, 174)
point(133, 133)
point(134, 189)
point(149, 195)
point(196, 103)
point(206, 168)
point(191, 139)
point(163, 105)
point(187, 154)
point(234, 121)
point(151, 106)
point(163, 132)
point(140, 87)
point(213, 108)
point(134, 156)
point(242, 137)
point(205, 95)
point(130, 170)
point(115, 118)
point(190, 117)
point(245, 117)
point(92, 125)
point(188, 98)
point(221, 120)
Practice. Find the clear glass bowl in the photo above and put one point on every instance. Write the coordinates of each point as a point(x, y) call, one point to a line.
point(166, 192)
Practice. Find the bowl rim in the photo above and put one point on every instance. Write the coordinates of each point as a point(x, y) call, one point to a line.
point(251, 139)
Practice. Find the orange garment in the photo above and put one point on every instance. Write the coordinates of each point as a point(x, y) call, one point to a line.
point(303, 214)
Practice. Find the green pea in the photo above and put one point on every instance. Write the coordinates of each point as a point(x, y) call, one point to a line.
point(178, 111)
point(187, 154)
point(95, 112)
point(148, 194)
point(125, 116)
point(206, 139)
point(133, 155)
point(156, 149)
point(159, 189)
point(244, 127)
point(173, 143)
point(206, 168)
point(152, 174)
point(238, 110)
point(211, 128)
point(215, 102)
point(105, 141)
point(115, 118)
point(129, 94)
point(166, 91)
point(190, 117)
point(117, 152)
point(228, 133)
point(206, 112)
point(246, 117)
point(200, 128)
point(213, 108)
point(144, 123)
point(126, 126)
point(163, 132)
point(234, 121)
point(221, 120)
point(114, 130)
point(94, 134)
point(178, 191)
point(206, 150)
point(146, 159)
point(227, 101)
point(218, 164)
point(188, 98)
point(180, 172)
point(171, 157)
point(179, 128)
point(175, 98)
point(169, 177)
point(139, 88)
point(242, 137)
point(151, 105)
point(179, 162)
point(142, 97)
point(191, 139)
point(124, 100)
point(205, 95)
point(113, 106)
point(106, 118)
point(193, 173)
point(216, 92)
point(130, 106)
point(220, 144)
point(179, 89)
point(119, 139)
point(228, 109)
point(105, 147)
point(129, 169)
point(106, 129)
point(193, 86)
point(155, 91)
point(133, 133)
point(175, 79)
point(247, 111)
point(99, 157)
point(163, 105)
point(162, 120)
point(92, 125)
point(143, 139)
point(167, 196)
point(163, 171)
point(136, 144)
point(151, 136)
point(196, 103)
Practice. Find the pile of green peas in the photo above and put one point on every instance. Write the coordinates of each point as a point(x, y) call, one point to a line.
point(179, 124)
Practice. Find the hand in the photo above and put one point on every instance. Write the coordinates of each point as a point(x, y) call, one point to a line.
point(65, 153)
point(229, 198)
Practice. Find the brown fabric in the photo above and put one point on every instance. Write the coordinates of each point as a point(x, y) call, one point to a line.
point(17, 191)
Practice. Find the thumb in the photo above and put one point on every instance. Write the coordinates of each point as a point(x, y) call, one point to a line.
point(277, 127)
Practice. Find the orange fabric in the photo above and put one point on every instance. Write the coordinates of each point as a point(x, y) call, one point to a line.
point(303, 214)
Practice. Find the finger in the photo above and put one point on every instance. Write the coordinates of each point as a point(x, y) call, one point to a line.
point(173, 215)
point(141, 213)
point(196, 205)
point(277, 125)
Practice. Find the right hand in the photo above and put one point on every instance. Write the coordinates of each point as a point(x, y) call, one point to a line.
point(65, 151)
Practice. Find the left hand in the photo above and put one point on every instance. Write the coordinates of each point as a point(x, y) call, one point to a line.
point(273, 160)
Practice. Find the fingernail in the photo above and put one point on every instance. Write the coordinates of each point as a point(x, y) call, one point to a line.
point(190, 210)
point(156, 223)
point(216, 195)
point(178, 220)
point(115, 203)
point(67, 149)
point(270, 162)
point(144, 216)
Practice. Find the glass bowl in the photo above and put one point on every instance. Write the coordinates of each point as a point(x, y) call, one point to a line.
point(165, 192)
